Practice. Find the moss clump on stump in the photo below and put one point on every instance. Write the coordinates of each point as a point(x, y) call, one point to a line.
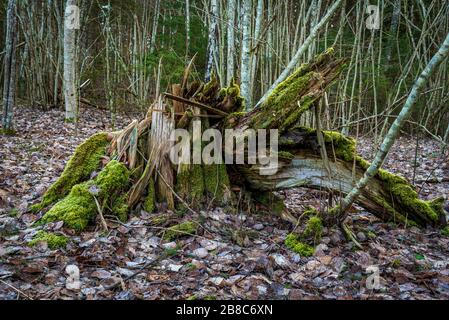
point(150, 200)
point(53, 241)
point(79, 207)
point(216, 182)
point(84, 161)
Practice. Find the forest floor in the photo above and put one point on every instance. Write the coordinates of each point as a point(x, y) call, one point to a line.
point(412, 263)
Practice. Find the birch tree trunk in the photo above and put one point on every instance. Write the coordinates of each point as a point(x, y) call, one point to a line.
point(394, 131)
point(155, 24)
point(9, 85)
point(245, 67)
point(212, 42)
point(187, 29)
point(254, 57)
point(231, 42)
point(301, 50)
point(70, 82)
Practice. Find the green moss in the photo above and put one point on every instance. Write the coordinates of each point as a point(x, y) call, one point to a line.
point(150, 200)
point(409, 198)
point(284, 155)
point(437, 206)
point(292, 242)
point(362, 163)
point(280, 110)
point(343, 146)
point(8, 132)
point(190, 184)
point(180, 230)
point(53, 241)
point(310, 212)
point(445, 232)
point(314, 229)
point(120, 208)
point(79, 207)
point(233, 118)
point(84, 161)
point(216, 182)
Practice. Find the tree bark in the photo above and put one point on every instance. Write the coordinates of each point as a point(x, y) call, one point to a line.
point(212, 42)
point(231, 42)
point(245, 65)
point(306, 168)
point(70, 63)
point(9, 85)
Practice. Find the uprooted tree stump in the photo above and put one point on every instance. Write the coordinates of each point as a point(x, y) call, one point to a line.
point(115, 173)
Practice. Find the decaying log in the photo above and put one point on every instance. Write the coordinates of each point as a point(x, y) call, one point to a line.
point(389, 197)
point(297, 94)
point(141, 147)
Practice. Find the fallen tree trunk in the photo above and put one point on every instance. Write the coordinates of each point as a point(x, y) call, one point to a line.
point(142, 148)
point(389, 197)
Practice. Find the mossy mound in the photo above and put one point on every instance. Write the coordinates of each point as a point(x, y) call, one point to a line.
point(303, 249)
point(53, 241)
point(314, 229)
point(80, 207)
point(79, 168)
point(303, 243)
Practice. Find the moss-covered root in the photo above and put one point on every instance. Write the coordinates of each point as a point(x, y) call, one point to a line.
point(84, 161)
point(80, 207)
point(53, 241)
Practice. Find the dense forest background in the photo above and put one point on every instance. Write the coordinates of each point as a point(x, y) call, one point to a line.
point(120, 43)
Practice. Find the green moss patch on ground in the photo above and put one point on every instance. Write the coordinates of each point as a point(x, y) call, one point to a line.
point(53, 241)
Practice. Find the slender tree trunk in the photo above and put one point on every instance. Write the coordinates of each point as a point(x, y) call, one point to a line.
point(394, 131)
point(108, 81)
point(187, 29)
point(254, 57)
point(231, 42)
point(70, 63)
point(301, 50)
point(393, 28)
point(155, 24)
point(245, 67)
point(9, 85)
point(212, 43)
